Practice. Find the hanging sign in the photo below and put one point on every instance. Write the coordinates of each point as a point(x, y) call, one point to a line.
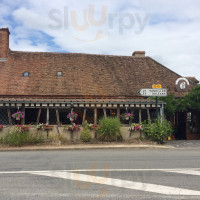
point(182, 85)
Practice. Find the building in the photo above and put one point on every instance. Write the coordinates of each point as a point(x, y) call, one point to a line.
point(47, 85)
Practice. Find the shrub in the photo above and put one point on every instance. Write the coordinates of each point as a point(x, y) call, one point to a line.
point(85, 134)
point(17, 137)
point(158, 131)
point(109, 129)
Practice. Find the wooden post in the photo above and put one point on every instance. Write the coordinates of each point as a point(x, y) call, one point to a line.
point(84, 115)
point(23, 120)
point(148, 114)
point(130, 120)
point(57, 116)
point(140, 116)
point(118, 113)
point(95, 115)
point(47, 116)
point(38, 116)
point(9, 117)
point(104, 112)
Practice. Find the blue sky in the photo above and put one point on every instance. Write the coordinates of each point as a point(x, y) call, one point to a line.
point(167, 30)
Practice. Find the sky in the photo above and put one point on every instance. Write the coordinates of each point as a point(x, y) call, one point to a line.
point(168, 31)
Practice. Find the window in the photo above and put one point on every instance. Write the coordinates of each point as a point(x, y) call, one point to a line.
point(26, 74)
point(59, 73)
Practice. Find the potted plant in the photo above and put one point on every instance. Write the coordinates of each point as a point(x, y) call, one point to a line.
point(40, 126)
point(18, 115)
point(126, 116)
point(1, 127)
point(72, 116)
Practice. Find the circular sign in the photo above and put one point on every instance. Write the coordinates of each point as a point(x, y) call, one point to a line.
point(182, 85)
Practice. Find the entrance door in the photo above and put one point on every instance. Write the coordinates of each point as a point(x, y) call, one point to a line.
point(181, 126)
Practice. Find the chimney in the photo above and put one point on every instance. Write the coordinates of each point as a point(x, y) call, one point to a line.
point(138, 54)
point(4, 42)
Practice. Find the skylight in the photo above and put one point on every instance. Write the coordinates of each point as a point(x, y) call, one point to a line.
point(26, 74)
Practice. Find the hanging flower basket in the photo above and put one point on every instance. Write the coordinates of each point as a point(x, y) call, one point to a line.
point(18, 115)
point(126, 116)
point(72, 116)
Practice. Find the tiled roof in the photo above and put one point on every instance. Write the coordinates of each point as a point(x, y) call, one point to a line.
point(193, 80)
point(84, 75)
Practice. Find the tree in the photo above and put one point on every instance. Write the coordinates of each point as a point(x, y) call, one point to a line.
point(192, 99)
point(188, 102)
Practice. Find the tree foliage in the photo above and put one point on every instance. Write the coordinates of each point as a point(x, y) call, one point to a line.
point(192, 99)
point(188, 102)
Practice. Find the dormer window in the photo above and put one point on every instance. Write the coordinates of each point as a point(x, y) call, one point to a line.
point(59, 74)
point(26, 74)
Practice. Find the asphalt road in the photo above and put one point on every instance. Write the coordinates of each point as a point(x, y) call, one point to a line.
point(100, 174)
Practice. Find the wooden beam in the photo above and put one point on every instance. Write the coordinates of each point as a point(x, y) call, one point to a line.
point(140, 116)
point(47, 116)
point(57, 116)
point(118, 113)
point(95, 115)
point(9, 116)
point(23, 120)
point(104, 112)
point(131, 120)
point(148, 114)
point(84, 115)
point(38, 116)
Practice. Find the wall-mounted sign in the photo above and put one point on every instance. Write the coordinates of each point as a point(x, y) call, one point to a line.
point(146, 92)
point(157, 86)
point(182, 85)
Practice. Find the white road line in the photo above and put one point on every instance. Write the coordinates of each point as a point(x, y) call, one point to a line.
point(120, 183)
point(189, 172)
point(105, 170)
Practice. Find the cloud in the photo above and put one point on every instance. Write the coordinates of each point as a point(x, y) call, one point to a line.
point(167, 30)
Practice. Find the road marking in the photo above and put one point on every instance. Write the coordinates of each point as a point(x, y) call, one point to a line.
point(178, 170)
point(189, 172)
point(160, 189)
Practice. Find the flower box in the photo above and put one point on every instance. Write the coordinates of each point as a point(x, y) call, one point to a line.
point(73, 127)
point(93, 127)
point(48, 127)
point(22, 127)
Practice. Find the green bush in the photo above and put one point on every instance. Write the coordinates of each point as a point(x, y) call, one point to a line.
point(109, 129)
point(158, 131)
point(20, 138)
point(85, 134)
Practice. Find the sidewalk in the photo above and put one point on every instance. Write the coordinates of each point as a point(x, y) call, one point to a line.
point(83, 147)
point(183, 144)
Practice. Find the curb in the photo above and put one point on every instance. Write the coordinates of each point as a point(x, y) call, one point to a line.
point(83, 147)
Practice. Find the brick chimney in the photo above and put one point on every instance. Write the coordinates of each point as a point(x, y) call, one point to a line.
point(4, 42)
point(138, 54)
